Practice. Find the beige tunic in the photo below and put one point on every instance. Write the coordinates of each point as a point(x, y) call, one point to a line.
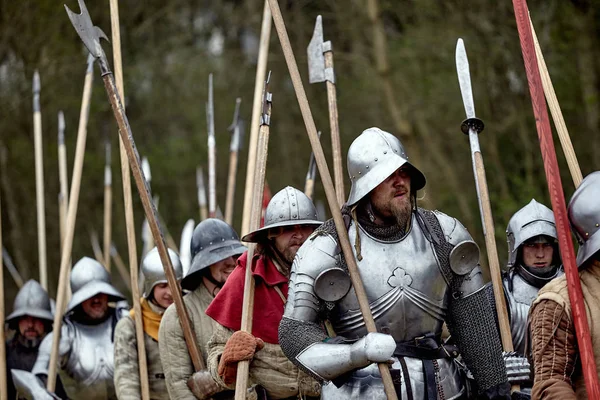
point(127, 373)
point(555, 355)
point(174, 354)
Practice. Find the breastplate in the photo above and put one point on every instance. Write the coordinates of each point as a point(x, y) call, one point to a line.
point(519, 302)
point(406, 291)
point(90, 367)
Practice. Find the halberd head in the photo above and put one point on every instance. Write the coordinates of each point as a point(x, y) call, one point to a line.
point(89, 34)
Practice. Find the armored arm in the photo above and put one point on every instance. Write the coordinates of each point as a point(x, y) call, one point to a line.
point(127, 372)
point(42, 363)
point(472, 322)
point(301, 335)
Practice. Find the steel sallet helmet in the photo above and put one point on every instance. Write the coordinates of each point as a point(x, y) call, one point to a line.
point(213, 240)
point(89, 278)
point(288, 207)
point(372, 158)
point(533, 220)
point(584, 215)
point(153, 271)
point(32, 300)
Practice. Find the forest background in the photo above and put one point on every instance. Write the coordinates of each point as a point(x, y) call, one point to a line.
point(409, 87)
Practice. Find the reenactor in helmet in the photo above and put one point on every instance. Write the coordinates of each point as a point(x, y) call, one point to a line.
point(290, 218)
point(215, 247)
point(86, 348)
point(31, 320)
point(412, 283)
point(156, 298)
point(554, 349)
point(533, 261)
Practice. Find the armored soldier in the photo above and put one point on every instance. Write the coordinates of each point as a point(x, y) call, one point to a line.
point(290, 218)
point(557, 366)
point(215, 246)
point(412, 282)
point(86, 340)
point(31, 320)
point(156, 298)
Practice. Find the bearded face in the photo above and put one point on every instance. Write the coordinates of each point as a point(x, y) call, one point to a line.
point(391, 198)
point(289, 239)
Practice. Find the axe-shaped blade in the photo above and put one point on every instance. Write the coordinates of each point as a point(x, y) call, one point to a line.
point(464, 78)
point(87, 31)
point(316, 59)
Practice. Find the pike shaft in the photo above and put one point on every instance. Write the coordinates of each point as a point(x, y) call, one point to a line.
point(336, 146)
point(64, 194)
point(329, 189)
point(555, 188)
point(233, 162)
point(3, 387)
point(40, 203)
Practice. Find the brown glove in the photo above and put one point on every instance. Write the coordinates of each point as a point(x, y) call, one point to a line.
point(202, 385)
point(240, 346)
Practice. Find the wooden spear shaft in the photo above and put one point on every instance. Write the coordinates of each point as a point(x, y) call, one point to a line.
point(336, 147)
point(567, 251)
point(121, 267)
point(107, 208)
point(39, 181)
point(557, 116)
point(311, 129)
point(233, 161)
point(67, 246)
point(262, 149)
point(128, 203)
point(3, 387)
point(261, 70)
point(63, 197)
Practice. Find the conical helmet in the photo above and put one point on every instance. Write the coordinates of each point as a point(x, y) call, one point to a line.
point(213, 240)
point(288, 207)
point(584, 215)
point(533, 220)
point(89, 278)
point(32, 300)
point(154, 272)
point(372, 158)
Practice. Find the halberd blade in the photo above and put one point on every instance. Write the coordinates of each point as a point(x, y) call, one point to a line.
point(316, 59)
point(464, 78)
point(89, 34)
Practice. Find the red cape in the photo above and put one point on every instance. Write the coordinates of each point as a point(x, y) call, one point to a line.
point(226, 308)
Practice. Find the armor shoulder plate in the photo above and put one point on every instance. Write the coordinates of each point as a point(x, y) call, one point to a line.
point(454, 231)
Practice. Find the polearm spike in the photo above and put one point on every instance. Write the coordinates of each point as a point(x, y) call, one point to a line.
point(261, 69)
point(472, 126)
point(67, 246)
point(185, 254)
point(63, 195)
point(567, 252)
point(3, 384)
point(234, 147)
point(320, 69)
point(330, 193)
point(39, 181)
point(201, 190)
point(96, 249)
point(212, 152)
point(90, 35)
point(107, 236)
point(146, 234)
point(311, 174)
point(12, 270)
point(262, 149)
point(128, 205)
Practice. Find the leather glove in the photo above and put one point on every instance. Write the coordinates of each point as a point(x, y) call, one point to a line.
point(240, 346)
point(518, 369)
point(202, 385)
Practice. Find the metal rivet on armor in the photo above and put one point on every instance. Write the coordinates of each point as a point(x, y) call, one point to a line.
point(367, 167)
point(294, 216)
point(376, 159)
point(587, 234)
point(359, 172)
point(385, 152)
point(210, 243)
point(597, 225)
point(395, 151)
point(222, 240)
point(293, 204)
point(280, 215)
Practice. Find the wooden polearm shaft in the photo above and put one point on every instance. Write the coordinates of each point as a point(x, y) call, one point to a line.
point(261, 70)
point(63, 196)
point(107, 236)
point(262, 150)
point(3, 386)
point(121, 267)
point(233, 162)
point(67, 246)
point(557, 116)
point(567, 251)
point(12, 270)
point(39, 181)
point(329, 189)
point(128, 204)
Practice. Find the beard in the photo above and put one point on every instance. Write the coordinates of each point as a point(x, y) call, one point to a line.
point(402, 212)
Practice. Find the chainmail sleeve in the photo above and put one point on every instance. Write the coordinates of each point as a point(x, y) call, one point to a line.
point(301, 325)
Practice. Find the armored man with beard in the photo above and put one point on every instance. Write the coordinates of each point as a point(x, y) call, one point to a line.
point(290, 218)
point(413, 286)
